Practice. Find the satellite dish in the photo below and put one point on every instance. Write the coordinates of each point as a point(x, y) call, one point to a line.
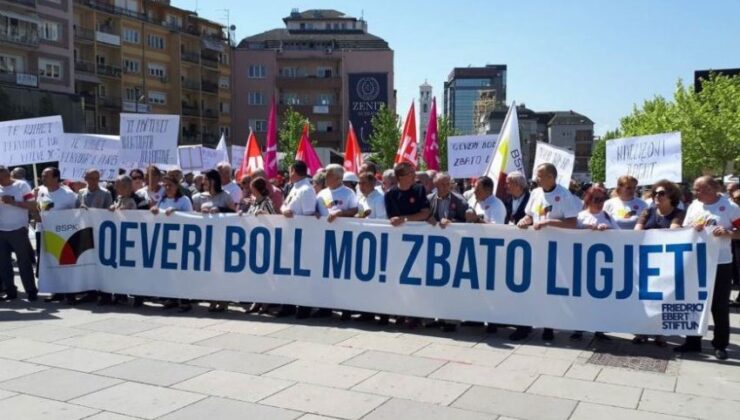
point(232, 27)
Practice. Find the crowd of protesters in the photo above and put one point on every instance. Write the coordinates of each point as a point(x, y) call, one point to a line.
point(399, 195)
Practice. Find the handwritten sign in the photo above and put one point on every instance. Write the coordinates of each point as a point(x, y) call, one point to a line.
point(190, 158)
point(212, 157)
point(149, 139)
point(563, 160)
point(80, 152)
point(237, 155)
point(33, 140)
point(468, 156)
point(647, 158)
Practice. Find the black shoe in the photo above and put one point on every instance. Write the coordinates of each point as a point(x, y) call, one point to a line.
point(601, 336)
point(302, 312)
point(576, 336)
point(492, 328)
point(687, 348)
point(383, 320)
point(548, 334)
point(138, 301)
point(10, 296)
point(449, 327)
point(323, 313)
point(170, 304)
point(434, 324)
point(184, 308)
point(285, 310)
point(519, 334)
point(365, 317)
point(32, 297)
point(55, 297)
point(346, 316)
point(720, 354)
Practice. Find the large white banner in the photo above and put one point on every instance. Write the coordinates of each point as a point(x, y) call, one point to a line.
point(190, 158)
point(80, 152)
point(563, 160)
point(647, 158)
point(469, 156)
point(32, 140)
point(649, 282)
point(149, 139)
point(237, 156)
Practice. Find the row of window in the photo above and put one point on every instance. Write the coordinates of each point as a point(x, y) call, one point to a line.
point(49, 68)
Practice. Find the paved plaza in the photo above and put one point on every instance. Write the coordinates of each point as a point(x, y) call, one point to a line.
point(116, 363)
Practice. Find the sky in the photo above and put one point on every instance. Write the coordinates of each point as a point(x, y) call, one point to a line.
point(597, 57)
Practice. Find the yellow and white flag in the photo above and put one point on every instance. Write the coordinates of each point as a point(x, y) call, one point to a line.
point(507, 156)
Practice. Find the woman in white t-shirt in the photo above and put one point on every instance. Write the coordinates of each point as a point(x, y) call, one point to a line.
point(625, 208)
point(173, 199)
point(713, 212)
point(594, 217)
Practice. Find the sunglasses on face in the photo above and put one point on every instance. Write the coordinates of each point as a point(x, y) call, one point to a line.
point(598, 199)
point(137, 178)
point(660, 193)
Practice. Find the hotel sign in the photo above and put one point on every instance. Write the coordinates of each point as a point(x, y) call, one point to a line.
point(368, 93)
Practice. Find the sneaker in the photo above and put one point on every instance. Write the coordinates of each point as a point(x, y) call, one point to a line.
point(687, 348)
point(548, 334)
point(720, 354)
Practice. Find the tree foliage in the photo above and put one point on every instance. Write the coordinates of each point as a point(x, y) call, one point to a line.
point(597, 163)
point(289, 135)
point(385, 137)
point(444, 130)
point(709, 122)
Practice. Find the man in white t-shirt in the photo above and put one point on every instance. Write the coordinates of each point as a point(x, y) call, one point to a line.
point(53, 196)
point(550, 205)
point(370, 200)
point(152, 193)
point(336, 200)
point(626, 207)
point(16, 199)
point(228, 184)
point(483, 206)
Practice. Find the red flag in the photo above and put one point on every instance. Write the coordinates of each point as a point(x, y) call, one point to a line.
point(407, 146)
point(252, 158)
point(431, 148)
point(352, 152)
point(271, 166)
point(306, 152)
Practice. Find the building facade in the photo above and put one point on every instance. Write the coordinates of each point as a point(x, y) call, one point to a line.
point(324, 65)
point(148, 56)
point(425, 108)
point(463, 90)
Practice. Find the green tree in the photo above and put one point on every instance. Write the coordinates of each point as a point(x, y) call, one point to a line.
point(709, 123)
point(289, 135)
point(384, 140)
point(597, 162)
point(444, 130)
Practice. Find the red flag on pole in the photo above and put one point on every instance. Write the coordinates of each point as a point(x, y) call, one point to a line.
point(306, 152)
point(271, 157)
point(352, 152)
point(252, 158)
point(407, 146)
point(431, 148)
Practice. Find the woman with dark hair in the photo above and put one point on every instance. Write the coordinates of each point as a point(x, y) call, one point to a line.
point(261, 204)
point(593, 216)
point(247, 199)
point(137, 179)
point(217, 200)
point(663, 214)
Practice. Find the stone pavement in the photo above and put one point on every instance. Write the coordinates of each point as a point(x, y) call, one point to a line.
point(116, 363)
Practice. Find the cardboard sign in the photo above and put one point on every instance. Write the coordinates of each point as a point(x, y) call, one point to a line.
point(469, 156)
point(563, 160)
point(647, 158)
point(32, 140)
point(149, 139)
point(80, 152)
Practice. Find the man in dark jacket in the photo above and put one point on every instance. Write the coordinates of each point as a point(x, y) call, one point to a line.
point(517, 197)
point(446, 207)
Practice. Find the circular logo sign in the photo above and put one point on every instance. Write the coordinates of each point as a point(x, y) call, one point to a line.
point(368, 88)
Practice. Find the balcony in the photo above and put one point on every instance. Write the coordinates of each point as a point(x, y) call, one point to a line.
point(109, 71)
point(20, 79)
point(27, 38)
point(312, 82)
point(209, 62)
point(90, 100)
point(192, 57)
point(85, 66)
point(109, 8)
point(209, 113)
point(191, 111)
point(133, 106)
point(190, 84)
point(109, 102)
point(29, 3)
point(311, 109)
point(209, 87)
point(84, 34)
point(107, 35)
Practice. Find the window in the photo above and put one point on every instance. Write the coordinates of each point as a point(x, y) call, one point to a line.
point(50, 69)
point(10, 64)
point(224, 107)
point(131, 35)
point(131, 66)
point(324, 126)
point(130, 5)
point(256, 98)
point(291, 99)
point(223, 82)
point(260, 126)
point(223, 58)
point(100, 60)
point(323, 72)
point(157, 70)
point(426, 108)
point(174, 21)
point(225, 130)
point(324, 99)
point(103, 121)
point(157, 98)
point(51, 31)
point(257, 71)
point(132, 94)
point(155, 41)
point(289, 72)
point(102, 91)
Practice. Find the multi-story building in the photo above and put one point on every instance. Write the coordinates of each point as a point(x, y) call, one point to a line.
point(36, 61)
point(149, 56)
point(425, 108)
point(565, 129)
point(322, 64)
point(463, 90)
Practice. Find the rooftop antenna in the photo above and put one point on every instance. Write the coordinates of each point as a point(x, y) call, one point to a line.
point(362, 14)
point(196, 7)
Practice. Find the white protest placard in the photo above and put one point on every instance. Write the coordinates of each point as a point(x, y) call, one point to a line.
point(647, 158)
point(468, 156)
point(32, 140)
point(563, 160)
point(237, 155)
point(211, 158)
point(190, 158)
point(149, 139)
point(80, 152)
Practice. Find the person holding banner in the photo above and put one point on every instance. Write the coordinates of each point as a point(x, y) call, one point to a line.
point(626, 207)
point(712, 211)
point(16, 199)
point(276, 195)
point(261, 205)
point(484, 207)
point(153, 192)
point(92, 196)
point(216, 199)
point(550, 205)
point(173, 199)
point(517, 197)
point(370, 201)
point(137, 178)
point(227, 182)
point(446, 207)
point(594, 217)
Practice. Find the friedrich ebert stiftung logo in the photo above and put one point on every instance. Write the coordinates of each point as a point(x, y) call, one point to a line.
point(68, 251)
